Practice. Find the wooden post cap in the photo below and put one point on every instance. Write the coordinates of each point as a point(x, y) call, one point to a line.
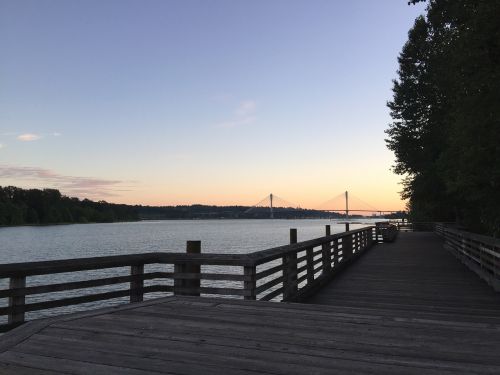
point(193, 247)
point(293, 235)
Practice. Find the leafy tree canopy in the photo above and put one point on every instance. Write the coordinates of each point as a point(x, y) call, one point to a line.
point(48, 206)
point(446, 114)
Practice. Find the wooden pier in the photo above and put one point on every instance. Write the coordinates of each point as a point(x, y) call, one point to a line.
point(403, 307)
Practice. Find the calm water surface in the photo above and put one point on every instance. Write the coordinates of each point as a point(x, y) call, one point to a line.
point(26, 244)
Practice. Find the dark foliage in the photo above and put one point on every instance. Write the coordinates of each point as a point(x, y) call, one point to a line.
point(198, 211)
point(33, 206)
point(396, 215)
point(446, 112)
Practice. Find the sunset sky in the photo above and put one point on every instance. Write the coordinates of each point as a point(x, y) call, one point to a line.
point(215, 102)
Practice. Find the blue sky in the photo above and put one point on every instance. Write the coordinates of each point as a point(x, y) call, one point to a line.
point(169, 102)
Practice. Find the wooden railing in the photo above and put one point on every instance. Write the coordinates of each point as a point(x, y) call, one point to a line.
point(387, 231)
point(295, 271)
point(480, 253)
point(285, 273)
point(407, 226)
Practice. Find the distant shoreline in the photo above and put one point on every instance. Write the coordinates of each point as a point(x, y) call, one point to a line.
point(68, 223)
point(34, 207)
point(188, 219)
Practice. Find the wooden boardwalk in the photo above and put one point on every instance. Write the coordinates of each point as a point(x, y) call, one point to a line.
point(414, 277)
point(403, 308)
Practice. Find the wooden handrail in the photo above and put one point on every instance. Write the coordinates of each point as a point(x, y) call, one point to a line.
point(93, 263)
point(480, 253)
point(264, 256)
point(292, 271)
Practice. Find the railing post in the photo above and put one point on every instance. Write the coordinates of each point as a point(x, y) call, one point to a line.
point(192, 247)
point(17, 317)
point(179, 268)
point(250, 282)
point(137, 284)
point(293, 236)
point(290, 286)
point(326, 258)
point(347, 247)
point(368, 234)
point(310, 265)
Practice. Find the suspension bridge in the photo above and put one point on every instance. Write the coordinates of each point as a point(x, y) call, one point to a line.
point(341, 203)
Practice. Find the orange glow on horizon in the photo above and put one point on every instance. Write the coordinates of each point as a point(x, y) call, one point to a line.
point(382, 202)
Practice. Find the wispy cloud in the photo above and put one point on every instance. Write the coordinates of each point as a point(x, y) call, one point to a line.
point(244, 114)
point(28, 137)
point(246, 108)
point(1, 146)
point(96, 188)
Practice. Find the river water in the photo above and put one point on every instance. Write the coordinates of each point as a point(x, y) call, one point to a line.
point(38, 243)
point(34, 243)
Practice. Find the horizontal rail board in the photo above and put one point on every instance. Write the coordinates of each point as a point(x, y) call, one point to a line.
point(319, 260)
point(87, 264)
point(319, 268)
point(317, 252)
point(302, 269)
point(302, 258)
point(73, 265)
point(269, 271)
point(80, 299)
point(269, 284)
point(272, 295)
point(302, 278)
point(212, 290)
point(210, 276)
point(51, 288)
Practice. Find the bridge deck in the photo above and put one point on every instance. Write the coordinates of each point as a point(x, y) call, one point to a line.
point(403, 308)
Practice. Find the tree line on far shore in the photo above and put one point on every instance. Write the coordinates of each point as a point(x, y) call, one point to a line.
point(200, 211)
point(446, 115)
point(48, 206)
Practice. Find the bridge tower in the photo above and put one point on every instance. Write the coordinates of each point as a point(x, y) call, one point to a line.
point(346, 205)
point(271, 205)
point(346, 211)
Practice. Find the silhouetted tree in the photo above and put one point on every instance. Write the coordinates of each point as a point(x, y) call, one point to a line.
point(446, 128)
point(20, 206)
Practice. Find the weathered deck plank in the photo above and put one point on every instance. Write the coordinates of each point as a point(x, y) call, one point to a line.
point(403, 308)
